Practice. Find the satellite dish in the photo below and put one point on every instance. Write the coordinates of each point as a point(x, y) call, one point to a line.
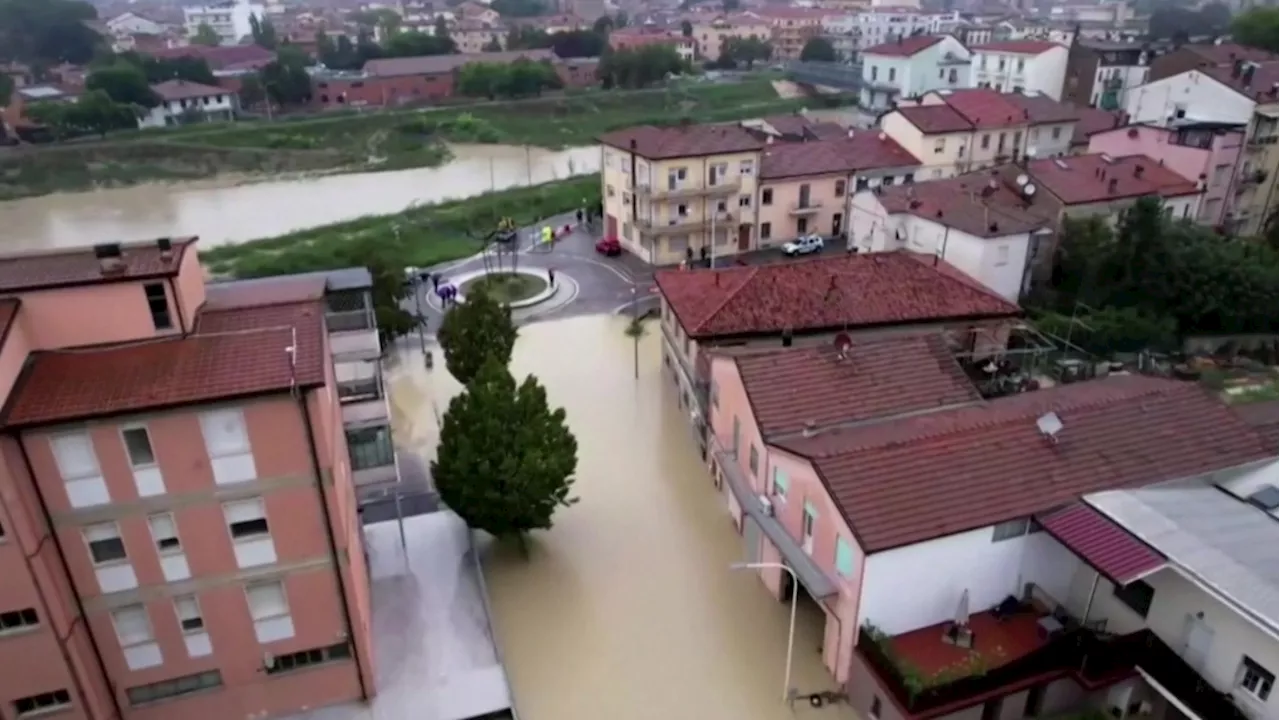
point(1029, 189)
point(1023, 180)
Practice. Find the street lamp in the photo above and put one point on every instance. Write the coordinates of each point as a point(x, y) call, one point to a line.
point(635, 330)
point(791, 632)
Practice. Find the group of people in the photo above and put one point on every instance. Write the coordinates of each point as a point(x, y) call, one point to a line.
point(445, 290)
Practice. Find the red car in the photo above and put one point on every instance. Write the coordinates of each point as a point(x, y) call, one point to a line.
point(609, 247)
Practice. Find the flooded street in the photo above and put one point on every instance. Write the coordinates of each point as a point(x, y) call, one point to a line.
point(224, 212)
point(627, 609)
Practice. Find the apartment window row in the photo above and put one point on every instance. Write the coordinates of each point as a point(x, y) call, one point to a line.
point(226, 440)
point(308, 658)
point(177, 687)
point(18, 620)
point(42, 703)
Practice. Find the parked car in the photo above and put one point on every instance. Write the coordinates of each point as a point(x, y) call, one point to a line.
point(803, 245)
point(609, 247)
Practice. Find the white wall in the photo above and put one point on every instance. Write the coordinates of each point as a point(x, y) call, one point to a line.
point(1044, 73)
point(1200, 96)
point(920, 585)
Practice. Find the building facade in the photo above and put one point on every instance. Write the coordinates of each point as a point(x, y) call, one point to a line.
point(711, 34)
point(1035, 66)
point(180, 528)
point(886, 24)
point(1215, 94)
point(183, 102)
point(1256, 203)
point(1102, 75)
point(910, 67)
point(231, 19)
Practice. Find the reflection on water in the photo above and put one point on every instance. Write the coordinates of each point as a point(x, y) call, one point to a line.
point(246, 212)
point(627, 608)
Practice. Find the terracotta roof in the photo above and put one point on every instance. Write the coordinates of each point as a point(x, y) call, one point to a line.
point(185, 90)
point(839, 292)
point(935, 119)
point(986, 109)
point(1263, 416)
point(877, 377)
point(904, 47)
point(1261, 85)
point(233, 353)
point(1041, 109)
point(79, 266)
point(911, 480)
point(436, 64)
point(1107, 547)
point(1018, 47)
point(657, 143)
point(1228, 53)
point(224, 57)
point(864, 151)
point(1088, 178)
point(967, 203)
point(1092, 120)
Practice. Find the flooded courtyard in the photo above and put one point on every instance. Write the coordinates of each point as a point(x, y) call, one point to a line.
point(628, 608)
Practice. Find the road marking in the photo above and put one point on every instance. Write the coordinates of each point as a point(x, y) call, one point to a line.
point(625, 278)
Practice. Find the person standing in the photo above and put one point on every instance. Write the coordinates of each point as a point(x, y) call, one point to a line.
point(551, 277)
point(435, 282)
point(579, 216)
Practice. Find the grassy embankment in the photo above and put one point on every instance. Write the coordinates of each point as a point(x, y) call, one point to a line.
point(421, 236)
point(369, 142)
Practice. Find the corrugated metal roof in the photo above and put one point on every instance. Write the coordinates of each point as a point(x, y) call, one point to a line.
point(1108, 548)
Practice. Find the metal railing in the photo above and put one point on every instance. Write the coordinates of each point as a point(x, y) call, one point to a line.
point(370, 448)
point(349, 320)
point(359, 390)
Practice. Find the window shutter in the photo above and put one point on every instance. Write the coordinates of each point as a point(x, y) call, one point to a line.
point(243, 511)
point(74, 455)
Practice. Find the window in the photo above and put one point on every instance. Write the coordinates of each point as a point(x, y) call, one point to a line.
point(844, 557)
point(176, 687)
point(105, 544)
point(56, 700)
point(307, 658)
point(246, 519)
point(78, 464)
point(939, 146)
point(18, 619)
point(753, 460)
point(744, 201)
point(1137, 595)
point(1057, 133)
point(1009, 530)
point(780, 484)
point(874, 72)
point(270, 611)
point(227, 440)
point(1002, 255)
point(133, 628)
point(746, 167)
point(188, 610)
point(892, 73)
point(766, 196)
point(840, 188)
point(1255, 680)
point(875, 707)
point(137, 445)
point(158, 303)
point(1021, 64)
point(165, 533)
point(806, 528)
point(766, 231)
point(986, 141)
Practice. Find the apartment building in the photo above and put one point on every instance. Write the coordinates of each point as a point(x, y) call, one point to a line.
point(1102, 74)
point(1035, 66)
point(910, 67)
point(180, 530)
point(959, 131)
point(711, 34)
point(630, 38)
point(477, 36)
point(1255, 202)
point(840, 29)
point(886, 24)
point(791, 28)
point(1222, 94)
point(999, 597)
point(230, 19)
point(674, 193)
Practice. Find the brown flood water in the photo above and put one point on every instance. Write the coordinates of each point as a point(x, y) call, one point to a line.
point(627, 609)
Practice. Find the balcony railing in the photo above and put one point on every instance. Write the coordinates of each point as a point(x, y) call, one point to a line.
point(1091, 657)
point(806, 208)
point(349, 320)
point(370, 448)
point(660, 192)
point(359, 390)
point(685, 224)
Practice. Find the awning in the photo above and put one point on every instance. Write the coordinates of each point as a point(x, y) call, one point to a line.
point(807, 571)
point(1107, 547)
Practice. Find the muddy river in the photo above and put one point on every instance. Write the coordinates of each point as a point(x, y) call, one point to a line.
point(627, 609)
point(222, 211)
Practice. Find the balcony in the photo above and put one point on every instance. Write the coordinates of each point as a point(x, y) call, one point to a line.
point(724, 188)
point(353, 330)
point(362, 401)
point(372, 454)
point(802, 209)
point(684, 224)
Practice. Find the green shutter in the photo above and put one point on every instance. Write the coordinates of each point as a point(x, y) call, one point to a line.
point(844, 557)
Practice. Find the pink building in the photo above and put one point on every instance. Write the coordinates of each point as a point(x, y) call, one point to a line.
point(1207, 154)
point(902, 499)
point(179, 534)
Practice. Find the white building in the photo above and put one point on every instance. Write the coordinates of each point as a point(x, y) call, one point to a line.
point(842, 31)
point(132, 24)
point(1212, 94)
point(229, 19)
point(881, 25)
point(1020, 65)
point(910, 67)
point(183, 102)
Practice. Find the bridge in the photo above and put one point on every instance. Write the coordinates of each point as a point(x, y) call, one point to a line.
point(843, 77)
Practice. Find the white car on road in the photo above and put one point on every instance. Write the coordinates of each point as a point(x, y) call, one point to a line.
point(803, 245)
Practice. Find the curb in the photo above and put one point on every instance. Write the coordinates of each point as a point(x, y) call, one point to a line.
point(488, 616)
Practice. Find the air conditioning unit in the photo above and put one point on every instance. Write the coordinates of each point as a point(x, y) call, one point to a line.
point(766, 504)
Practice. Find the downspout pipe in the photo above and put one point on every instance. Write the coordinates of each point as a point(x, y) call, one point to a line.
point(66, 571)
point(333, 544)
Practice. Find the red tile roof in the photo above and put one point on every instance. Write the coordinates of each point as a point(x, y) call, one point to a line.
point(1092, 120)
point(1261, 85)
point(904, 47)
point(911, 480)
point(866, 150)
point(1081, 179)
point(834, 292)
point(986, 109)
point(78, 266)
point(185, 90)
point(657, 143)
point(1228, 53)
point(935, 119)
point(1107, 547)
point(1019, 47)
point(233, 353)
point(967, 203)
point(789, 388)
point(1041, 109)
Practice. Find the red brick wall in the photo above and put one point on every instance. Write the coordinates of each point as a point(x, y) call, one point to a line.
point(381, 91)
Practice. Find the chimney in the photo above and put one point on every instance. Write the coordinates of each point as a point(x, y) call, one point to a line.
point(110, 258)
point(165, 245)
point(786, 337)
point(1111, 185)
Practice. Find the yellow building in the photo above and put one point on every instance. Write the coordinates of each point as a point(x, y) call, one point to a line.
point(711, 35)
point(664, 190)
point(1256, 204)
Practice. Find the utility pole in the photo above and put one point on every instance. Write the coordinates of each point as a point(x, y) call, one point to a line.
point(528, 164)
point(635, 329)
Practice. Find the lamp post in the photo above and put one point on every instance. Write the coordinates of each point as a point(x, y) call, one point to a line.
point(791, 632)
point(635, 330)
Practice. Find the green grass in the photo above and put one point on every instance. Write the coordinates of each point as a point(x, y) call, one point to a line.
point(505, 287)
point(421, 236)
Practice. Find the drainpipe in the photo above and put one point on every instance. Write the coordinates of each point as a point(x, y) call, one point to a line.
point(1092, 591)
point(66, 571)
point(333, 544)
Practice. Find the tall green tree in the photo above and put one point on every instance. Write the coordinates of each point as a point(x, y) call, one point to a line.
point(603, 25)
point(442, 27)
point(285, 80)
point(94, 113)
point(205, 35)
point(747, 51)
point(263, 32)
point(1257, 27)
point(473, 332)
point(48, 32)
point(123, 83)
point(506, 460)
point(818, 49)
